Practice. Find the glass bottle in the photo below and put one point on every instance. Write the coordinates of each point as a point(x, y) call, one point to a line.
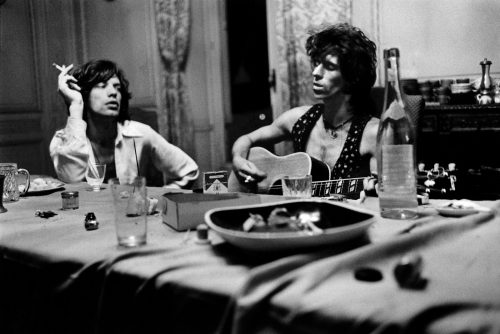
point(396, 148)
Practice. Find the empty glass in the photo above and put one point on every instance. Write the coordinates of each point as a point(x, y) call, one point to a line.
point(131, 207)
point(95, 175)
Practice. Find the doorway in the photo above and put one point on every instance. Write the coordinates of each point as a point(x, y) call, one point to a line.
point(248, 68)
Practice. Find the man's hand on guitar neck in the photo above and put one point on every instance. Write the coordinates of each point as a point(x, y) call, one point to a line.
point(246, 171)
point(370, 185)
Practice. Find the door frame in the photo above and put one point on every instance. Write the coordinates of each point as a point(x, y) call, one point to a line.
point(272, 47)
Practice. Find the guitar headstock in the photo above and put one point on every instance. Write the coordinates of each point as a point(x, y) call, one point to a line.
point(438, 182)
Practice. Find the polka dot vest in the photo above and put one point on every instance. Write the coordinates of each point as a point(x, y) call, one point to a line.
point(350, 160)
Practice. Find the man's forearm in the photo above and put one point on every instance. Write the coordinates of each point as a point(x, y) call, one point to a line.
point(241, 147)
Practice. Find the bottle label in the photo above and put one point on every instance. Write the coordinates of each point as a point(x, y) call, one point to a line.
point(398, 171)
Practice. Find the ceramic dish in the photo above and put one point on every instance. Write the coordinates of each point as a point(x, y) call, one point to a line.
point(339, 223)
point(454, 212)
point(460, 208)
point(42, 184)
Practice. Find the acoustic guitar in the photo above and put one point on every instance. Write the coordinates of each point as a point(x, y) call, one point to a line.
point(295, 164)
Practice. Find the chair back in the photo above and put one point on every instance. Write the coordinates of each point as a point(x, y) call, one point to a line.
point(416, 105)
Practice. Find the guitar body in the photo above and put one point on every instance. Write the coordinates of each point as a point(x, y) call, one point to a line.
point(295, 164)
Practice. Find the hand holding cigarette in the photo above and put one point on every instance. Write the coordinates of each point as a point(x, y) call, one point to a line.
point(66, 79)
point(58, 67)
point(63, 68)
point(69, 89)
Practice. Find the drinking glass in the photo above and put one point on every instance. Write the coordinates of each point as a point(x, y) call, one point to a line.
point(11, 190)
point(2, 208)
point(95, 175)
point(131, 208)
point(297, 186)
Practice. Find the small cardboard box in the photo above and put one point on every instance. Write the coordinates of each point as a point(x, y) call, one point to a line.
point(186, 211)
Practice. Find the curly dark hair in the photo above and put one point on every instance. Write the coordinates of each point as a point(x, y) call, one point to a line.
point(357, 56)
point(97, 71)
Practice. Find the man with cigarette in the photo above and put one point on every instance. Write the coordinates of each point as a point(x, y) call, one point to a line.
point(99, 130)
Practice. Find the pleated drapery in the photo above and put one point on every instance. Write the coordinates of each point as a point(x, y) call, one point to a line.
point(175, 121)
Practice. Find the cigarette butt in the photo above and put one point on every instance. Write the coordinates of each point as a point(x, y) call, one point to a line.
point(57, 66)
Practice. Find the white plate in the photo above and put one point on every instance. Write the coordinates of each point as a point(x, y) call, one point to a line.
point(460, 208)
point(455, 212)
point(339, 222)
point(51, 184)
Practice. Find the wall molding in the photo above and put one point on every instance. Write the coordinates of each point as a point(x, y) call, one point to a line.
point(11, 124)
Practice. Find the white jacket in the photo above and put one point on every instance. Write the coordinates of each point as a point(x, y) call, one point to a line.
point(70, 151)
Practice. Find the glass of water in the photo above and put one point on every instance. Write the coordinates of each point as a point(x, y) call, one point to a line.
point(95, 175)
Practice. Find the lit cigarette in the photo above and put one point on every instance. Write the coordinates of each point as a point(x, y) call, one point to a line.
point(58, 67)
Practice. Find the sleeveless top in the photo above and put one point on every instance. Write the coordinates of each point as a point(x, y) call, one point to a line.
point(350, 160)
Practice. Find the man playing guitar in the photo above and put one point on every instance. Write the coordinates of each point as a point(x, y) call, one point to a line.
point(340, 131)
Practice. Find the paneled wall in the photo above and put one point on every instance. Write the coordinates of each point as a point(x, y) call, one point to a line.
point(33, 34)
point(124, 31)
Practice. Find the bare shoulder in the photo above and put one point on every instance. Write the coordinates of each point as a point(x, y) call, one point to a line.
point(289, 117)
point(369, 139)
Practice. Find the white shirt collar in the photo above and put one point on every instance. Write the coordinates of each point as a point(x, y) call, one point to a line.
point(128, 129)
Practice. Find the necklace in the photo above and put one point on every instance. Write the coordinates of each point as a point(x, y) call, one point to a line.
point(332, 130)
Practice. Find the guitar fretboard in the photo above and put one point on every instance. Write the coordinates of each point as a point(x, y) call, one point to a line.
point(341, 186)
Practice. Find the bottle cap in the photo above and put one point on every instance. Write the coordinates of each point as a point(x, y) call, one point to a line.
point(202, 234)
point(408, 272)
point(91, 222)
point(69, 194)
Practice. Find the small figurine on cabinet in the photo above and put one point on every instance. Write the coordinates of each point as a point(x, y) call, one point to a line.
point(437, 182)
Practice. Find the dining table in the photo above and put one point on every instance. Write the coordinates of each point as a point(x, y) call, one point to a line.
point(58, 277)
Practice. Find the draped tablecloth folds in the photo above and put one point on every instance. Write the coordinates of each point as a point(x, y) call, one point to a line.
point(56, 277)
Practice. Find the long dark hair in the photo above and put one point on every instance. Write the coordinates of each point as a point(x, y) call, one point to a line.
point(357, 56)
point(97, 71)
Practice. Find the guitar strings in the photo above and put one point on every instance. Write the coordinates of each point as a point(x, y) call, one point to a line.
point(316, 184)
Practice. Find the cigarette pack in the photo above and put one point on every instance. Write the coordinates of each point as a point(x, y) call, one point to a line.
point(183, 211)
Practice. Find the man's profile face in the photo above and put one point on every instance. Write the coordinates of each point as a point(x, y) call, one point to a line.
point(328, 80)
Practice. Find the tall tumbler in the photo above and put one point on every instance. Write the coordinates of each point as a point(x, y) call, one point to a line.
point(131, 208)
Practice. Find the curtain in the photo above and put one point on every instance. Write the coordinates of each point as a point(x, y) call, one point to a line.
point(175, 121)
point(295, 19)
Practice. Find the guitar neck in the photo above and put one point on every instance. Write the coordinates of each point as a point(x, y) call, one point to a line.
point(340, 186)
